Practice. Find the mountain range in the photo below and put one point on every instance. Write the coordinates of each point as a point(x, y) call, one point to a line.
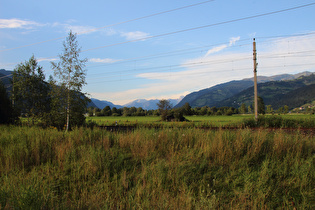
point(286, 89)
point(293, 93)
point(229, 94)
point(150, 104)
point(102, 104)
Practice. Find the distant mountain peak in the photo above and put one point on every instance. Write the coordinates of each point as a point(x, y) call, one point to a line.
point(280, 77)
point(149, 104)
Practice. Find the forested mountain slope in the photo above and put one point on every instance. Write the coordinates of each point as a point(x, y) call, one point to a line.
point(223, 94)
point(277, 93)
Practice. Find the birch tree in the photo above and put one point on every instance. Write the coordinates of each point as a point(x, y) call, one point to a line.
point(70, 71)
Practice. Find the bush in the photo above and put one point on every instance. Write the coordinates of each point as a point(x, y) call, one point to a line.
point(278, 122)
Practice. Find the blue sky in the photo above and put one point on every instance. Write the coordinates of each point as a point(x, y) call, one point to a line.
point(161, 49)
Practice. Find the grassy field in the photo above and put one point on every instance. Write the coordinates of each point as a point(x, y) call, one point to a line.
point(112, 120)
point(213, 121)
point(156, 169)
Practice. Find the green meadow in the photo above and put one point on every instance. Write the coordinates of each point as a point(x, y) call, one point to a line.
point(193, 121)
point(169, 168)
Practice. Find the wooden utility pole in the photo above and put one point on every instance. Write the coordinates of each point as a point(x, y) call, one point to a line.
point(255, 80)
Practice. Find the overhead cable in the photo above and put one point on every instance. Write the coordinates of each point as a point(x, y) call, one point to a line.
point(203, 72)
point(204, 26)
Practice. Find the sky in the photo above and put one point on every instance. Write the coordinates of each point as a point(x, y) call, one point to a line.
point(145, 49)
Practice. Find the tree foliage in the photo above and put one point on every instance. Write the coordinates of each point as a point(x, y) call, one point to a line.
point(7, 113)
point(261, 105)
point(187, 109)
point(269, 109)
point(164, 107)
point(30, 92)
point(243, 109)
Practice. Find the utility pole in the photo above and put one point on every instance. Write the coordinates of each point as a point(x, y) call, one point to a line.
point(255, 80)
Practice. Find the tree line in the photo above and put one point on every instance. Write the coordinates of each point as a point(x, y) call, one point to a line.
point(165, 110)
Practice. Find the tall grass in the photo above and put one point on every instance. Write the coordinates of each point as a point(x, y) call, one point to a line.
point(148, 168)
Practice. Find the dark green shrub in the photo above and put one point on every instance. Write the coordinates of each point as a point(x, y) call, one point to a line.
point(278, 122)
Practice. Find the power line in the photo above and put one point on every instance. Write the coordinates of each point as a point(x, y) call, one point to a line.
point(192, 73)
point(205, 26)
point(272, 56)
point(289, 54)
point(281, 36)
point(199, 64)
point(196, 49)
point(174, 66)
point(114, 24)
point(169, 53)
point(205, 72)
point(147, 16)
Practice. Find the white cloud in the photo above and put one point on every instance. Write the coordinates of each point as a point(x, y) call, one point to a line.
point(233, 40)
point(135, 35)
point(46, 59)
point(103, 60)
point(83, 29)
point(75, 28)
point(17, 23)
point(109, 31)
point(215, 49)
point(80, 29)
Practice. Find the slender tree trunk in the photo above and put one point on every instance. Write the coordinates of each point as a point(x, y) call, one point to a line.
point(68, 104)
point(68, 111)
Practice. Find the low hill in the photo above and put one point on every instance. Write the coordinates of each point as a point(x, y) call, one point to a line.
point(6, 77)
point(5, 72)
point(102, 104)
